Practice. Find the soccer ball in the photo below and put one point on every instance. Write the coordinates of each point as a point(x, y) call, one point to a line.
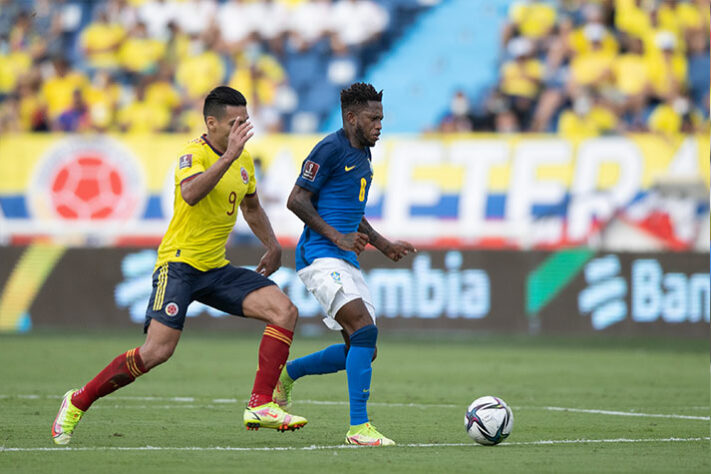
point(488, 420)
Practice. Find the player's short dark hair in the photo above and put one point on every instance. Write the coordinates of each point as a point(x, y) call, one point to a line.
point(218, 98)
point(358, 95)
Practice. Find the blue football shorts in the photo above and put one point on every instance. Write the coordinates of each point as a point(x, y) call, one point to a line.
point(177, 284)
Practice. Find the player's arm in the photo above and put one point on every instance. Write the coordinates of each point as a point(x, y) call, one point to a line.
point(194, 189)
point(300, 203)
point(393, 250)
point(258, 221)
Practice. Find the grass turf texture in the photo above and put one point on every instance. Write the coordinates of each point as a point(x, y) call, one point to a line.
point(439, 377)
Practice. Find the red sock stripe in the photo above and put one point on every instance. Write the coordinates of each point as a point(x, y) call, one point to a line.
point(279, 333)
point(134, 363)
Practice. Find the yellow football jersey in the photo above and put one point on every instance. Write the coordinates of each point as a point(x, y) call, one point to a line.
point(197, 234)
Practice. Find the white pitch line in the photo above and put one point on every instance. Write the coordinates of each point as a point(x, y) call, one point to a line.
point(375, 404)
point(346, 446)
point(626, 413)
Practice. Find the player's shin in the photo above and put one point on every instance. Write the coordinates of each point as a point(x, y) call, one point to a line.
point(273, 353)
point(359, 371)
point(327, 361)
point(120, 372)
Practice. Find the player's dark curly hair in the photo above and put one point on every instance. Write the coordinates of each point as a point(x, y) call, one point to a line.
point(218, 98)
point(358, 95)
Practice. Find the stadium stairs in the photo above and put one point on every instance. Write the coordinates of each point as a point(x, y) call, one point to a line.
point(454, 45)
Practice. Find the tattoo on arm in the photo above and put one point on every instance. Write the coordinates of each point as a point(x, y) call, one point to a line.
point(299, 203)
point(374, 238)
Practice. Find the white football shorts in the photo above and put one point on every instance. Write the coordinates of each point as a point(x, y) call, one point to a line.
point(335, 282)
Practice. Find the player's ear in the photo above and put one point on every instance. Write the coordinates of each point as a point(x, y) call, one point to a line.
point(211, 123)
point(350, 117)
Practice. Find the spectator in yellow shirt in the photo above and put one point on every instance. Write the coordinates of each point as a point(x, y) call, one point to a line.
point(142, 117)
point(579, 40)
point(202, 70)
point(632, 18)
point(140, 54)
point(57, 91)
point(102, 97)
point(521, 79)
point(681, 16)
point(533, 19)
point(33, 111)
point(257, 76)
point(667, 67)
point(675, 116)
point(162, 92)
point(593, 68)
point(13, 65)
point(521, 76)
point(100, 42)
point(587, 120)
point(632, 75)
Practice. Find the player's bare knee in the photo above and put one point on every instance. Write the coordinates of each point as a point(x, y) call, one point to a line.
point(153, 355)
point(285, 315)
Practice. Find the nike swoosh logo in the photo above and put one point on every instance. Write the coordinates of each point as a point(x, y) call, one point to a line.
point(348, 168)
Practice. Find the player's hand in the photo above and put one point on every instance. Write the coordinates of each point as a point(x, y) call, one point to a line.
point(239, 134)
point(270, 262)
point(396, 250)
point(355, 242)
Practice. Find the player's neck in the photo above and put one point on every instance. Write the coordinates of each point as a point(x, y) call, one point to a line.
point(213, 144)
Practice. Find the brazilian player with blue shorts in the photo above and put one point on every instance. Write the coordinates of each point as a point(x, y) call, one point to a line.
point(330, 197)
point(214, 178)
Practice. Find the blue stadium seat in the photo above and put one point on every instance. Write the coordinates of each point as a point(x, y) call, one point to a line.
point(444, 50)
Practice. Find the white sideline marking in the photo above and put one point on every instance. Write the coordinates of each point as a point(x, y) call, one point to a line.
point(627, 413)
point(346, 446)
point(345, 403)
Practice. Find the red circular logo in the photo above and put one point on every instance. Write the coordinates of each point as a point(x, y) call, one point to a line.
point(171, 309)
point(87, 187)
point(92, 180)
point(245, 175)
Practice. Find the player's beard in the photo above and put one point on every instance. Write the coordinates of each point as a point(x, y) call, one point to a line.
point(362, 138)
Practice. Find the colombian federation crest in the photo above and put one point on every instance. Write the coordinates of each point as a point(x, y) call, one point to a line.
point(88, 180)
point(171, 309)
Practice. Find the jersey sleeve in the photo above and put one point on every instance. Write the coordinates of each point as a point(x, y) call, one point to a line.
point(190, 163)
point(317, 167)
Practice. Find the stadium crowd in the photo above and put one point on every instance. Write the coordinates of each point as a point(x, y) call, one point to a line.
point(146, 65)
point(589, 68)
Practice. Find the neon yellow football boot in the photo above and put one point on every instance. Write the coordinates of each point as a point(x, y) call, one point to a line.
point(66, 420)
point(282, 391)
point(367, 435)
point(270, 415)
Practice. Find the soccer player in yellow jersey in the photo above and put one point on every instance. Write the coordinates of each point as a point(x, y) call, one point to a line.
point(214, 178)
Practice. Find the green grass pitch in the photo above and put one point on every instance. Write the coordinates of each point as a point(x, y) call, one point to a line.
point(581, 404)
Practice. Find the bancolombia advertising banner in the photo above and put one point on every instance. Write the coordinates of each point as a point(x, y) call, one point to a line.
point(569, 291)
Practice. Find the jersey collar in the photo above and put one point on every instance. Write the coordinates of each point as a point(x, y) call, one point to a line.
point(217, 152)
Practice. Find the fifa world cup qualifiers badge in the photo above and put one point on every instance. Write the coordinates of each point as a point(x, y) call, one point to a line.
point(245, 175)
point(310, 170)
point(185, 161)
